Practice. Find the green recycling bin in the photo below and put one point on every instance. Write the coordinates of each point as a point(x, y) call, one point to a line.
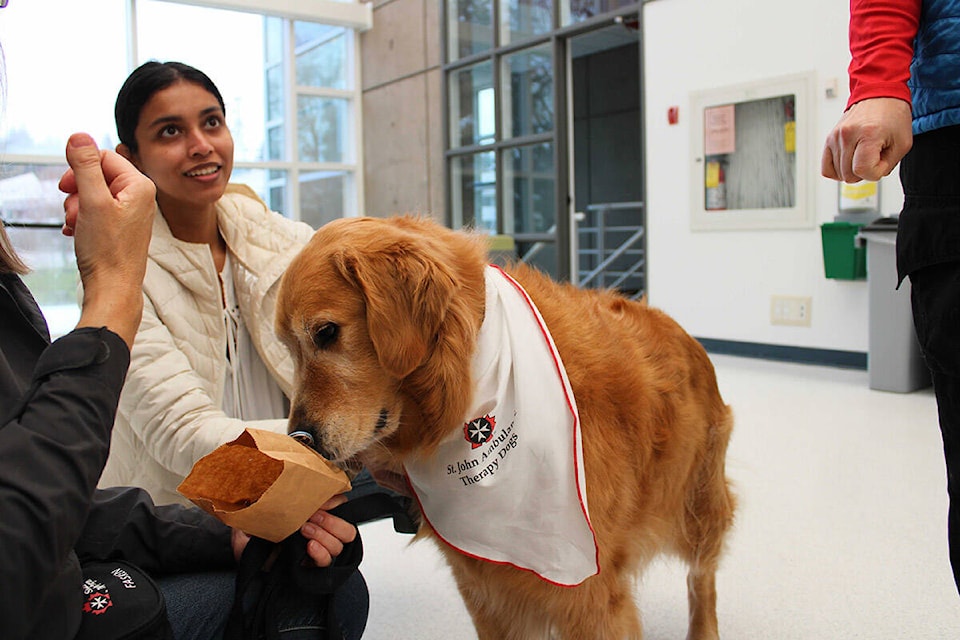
point(844, 256)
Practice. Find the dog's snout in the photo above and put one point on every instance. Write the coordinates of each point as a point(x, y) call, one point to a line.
point(308, 433)
point(310, 437)
point(301, 430)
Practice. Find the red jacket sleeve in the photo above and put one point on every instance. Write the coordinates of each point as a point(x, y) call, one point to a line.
point(881, 45)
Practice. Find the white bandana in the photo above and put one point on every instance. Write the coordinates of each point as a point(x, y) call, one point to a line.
point(509, 486)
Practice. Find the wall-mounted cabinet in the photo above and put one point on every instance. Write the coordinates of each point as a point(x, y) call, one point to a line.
point(750, 147)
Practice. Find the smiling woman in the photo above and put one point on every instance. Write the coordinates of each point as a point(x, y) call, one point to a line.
point(172, 125)
point(206, 362)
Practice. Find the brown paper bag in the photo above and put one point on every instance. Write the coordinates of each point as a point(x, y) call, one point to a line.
point(264, 483)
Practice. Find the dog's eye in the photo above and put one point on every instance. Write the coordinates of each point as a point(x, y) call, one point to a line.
point(325, 335)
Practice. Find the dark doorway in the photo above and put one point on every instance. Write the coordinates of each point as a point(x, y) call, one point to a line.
point(607, 160)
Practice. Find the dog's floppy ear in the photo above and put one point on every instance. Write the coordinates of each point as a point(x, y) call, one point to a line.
point(407, 296)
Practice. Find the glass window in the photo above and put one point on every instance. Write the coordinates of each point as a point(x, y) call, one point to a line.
point(47, 97)
point(322, 129)
point(469, 27)
point(278, 198)
point(323, 62)
point(524, 18)
point(275, 93)
point(278, 185)
point(29, 192)
point(579, 10)
point(256, 179)
point(472, 106)
point(540, 254)
point(275, 145)
point(53, 279)
point(529, 173)
point(491, 103)
point(322, 197)
point(528, 91)
point(29, 196)
point(474, 190)
point(323, 120)
point(273, 40)
point(312, 32)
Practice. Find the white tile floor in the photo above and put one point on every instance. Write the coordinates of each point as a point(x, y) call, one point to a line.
point(840, 534)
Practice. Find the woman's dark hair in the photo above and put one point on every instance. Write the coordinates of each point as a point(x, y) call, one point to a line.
point(143, 83)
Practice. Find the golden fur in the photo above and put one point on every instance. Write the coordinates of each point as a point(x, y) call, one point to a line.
point(382, 315)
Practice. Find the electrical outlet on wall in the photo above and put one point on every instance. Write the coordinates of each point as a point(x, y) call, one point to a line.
point(791, 310)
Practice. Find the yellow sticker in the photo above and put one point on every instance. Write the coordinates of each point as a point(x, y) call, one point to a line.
point(858, 191)
point(790, 137)
point(713, 174)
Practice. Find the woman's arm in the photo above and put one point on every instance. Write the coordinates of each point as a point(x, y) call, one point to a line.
point(166, 402)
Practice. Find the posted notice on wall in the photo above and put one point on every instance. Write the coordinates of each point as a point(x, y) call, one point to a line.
point(719, 130)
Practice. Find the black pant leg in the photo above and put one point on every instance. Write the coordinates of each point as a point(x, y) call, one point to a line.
point(935, 293)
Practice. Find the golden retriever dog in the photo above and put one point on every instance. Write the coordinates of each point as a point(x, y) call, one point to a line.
point(384, 318)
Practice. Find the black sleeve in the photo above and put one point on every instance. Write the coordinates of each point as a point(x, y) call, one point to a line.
point(125, 524)
point(54, 442)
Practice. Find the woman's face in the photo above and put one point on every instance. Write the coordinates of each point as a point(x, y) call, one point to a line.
point(185, 146)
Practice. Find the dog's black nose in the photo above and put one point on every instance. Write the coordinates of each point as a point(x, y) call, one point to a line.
point(303, 437)
point(310, 437)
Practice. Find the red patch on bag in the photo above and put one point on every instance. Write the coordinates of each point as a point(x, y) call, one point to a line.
point(97, 603)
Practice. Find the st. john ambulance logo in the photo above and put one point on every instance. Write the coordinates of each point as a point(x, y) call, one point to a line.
point(479, 431)
point(98, 603)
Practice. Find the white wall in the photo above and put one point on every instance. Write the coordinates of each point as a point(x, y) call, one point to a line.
point(718, 284)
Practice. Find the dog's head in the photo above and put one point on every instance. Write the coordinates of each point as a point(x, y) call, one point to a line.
point(381, 317)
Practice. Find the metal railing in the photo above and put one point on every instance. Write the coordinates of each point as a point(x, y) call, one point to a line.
point(610, 251)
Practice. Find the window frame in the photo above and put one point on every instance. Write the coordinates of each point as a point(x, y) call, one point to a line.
point(564, 25)
point(354, 17)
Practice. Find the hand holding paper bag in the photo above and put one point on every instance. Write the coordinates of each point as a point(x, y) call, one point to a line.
point(263, 483)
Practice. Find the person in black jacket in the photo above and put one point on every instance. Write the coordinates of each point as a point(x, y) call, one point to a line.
point(57, 406)
point(57, 401)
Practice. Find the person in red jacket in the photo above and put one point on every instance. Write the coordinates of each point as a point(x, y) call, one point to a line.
point(904, 108)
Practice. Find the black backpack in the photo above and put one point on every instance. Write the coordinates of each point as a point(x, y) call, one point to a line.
point(268, 570)
point(121, 602)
